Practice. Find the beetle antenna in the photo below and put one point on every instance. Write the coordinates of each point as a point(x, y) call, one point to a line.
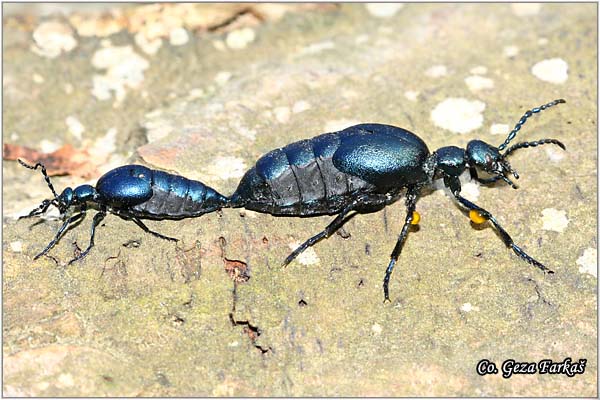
point(534, 144)
point(46, 177)
point(523, 119)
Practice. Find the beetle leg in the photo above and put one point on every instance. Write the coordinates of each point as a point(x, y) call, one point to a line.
point(475, 176)
point(97, 219)
point(60, 231)
point(335, 224)
point(503, 234)
point(146, 229)
point(39, 209)
point(411, 200)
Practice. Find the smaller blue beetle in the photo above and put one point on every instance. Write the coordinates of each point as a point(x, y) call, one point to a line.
point(133, 192)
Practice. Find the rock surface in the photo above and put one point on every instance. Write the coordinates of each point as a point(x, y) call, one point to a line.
point(203, 91)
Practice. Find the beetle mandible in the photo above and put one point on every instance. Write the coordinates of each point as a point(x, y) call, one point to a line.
point(133, 192)
point(364, 168)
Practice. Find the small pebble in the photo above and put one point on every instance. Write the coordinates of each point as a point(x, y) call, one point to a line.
point(542, 41)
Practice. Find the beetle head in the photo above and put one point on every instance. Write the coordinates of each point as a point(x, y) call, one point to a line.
point(65, 200)
point(488, 158)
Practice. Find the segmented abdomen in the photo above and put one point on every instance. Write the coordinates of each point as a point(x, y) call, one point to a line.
point(299, 179)
point(176, 197)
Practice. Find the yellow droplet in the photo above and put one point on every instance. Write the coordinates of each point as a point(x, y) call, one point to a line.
point(476, 217)
point(416, 218)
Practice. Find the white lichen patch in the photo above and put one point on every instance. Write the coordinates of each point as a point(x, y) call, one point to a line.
point(588, 262)
point(282, 114)
point(476, 83)
point(376, 329)
point(16, 247)
point(65, 380)
point(178, 37)
point(554, 220)
point(53, 38)
point(75, 127)
point(37, 78)
point(555, 154)
point(106, 144)
point(300, 106)
point(436, 71)
point(361, 39)
point(468, 307)
point(411, 95)
point(49, 146)
point(315, 48)
point(339, 124)
point(148, 46)
point(553, 70)
point(479, 70)
point(470, 190)
point(240, 38)
point(124, 69)
point(458, 115)
point(383, 10)
point(307, 257)
point(499, 129)
point(510, 51)
point(219, 45)
point(226, 167)
point(526, 9)
point(223, 77)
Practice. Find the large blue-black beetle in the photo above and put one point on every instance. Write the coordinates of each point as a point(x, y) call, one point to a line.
point(362, 168)
point(366, 167)
point(132, 192)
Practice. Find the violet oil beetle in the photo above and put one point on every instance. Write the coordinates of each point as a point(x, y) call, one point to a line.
point(366, 167)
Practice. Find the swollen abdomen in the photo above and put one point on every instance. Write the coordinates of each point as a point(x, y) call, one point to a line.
point(298, 179)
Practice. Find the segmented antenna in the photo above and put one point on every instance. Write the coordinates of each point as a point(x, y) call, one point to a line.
point(40, 165)
point(523, 119)
point(533, 144)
